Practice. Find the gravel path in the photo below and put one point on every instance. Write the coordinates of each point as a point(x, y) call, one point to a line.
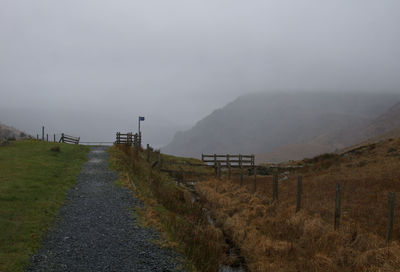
point(96, 231)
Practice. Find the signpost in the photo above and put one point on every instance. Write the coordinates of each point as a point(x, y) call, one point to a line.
point(141, 118)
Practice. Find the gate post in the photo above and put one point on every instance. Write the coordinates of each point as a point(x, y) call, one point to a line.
point(215, 165)
point(241, 170)
point(255, 179)
point(337, 206)
point(228, 165)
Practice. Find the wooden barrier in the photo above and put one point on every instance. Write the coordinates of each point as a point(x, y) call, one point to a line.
point(255, 180)
point(229, 160)
point(338, 206)
point(299, 193)
point(389, 233)
point(69, 139)
point(124, 138)
point(275, 186)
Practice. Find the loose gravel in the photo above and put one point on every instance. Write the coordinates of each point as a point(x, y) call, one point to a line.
point(96, 229)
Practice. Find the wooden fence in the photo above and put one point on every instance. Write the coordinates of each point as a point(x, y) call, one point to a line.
point(129, 139)
point(242, 161)
point(124, 138)
point(275, 196)
point(229, 160)
point(69, 139)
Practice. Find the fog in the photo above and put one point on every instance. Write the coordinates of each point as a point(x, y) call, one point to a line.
point(90, 68)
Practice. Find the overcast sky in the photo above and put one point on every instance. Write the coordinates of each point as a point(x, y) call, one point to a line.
point(175, 61)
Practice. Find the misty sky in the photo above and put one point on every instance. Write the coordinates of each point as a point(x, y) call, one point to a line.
point(176, 61)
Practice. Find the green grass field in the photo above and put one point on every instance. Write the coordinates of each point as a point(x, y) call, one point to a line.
point(33, 183)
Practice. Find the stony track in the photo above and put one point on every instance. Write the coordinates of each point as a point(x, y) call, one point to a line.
point(96, 229)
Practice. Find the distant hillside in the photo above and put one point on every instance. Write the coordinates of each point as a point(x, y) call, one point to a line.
point(385, 123)
point(386, 126)
point(283, 126)
point(7, 132)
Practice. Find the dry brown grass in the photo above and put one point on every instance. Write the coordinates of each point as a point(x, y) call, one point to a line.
point(171, 209)
point(272, 237)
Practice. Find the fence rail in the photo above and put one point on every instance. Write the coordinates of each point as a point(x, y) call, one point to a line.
point(229, 160)
point(129, 139)
point(124, 138)
point(69, 139)
point(96, 143)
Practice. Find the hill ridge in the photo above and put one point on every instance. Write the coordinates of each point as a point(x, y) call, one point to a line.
point(265, 122)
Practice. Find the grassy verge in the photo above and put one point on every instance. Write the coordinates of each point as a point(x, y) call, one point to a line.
point(171, 209)
point(33, 183)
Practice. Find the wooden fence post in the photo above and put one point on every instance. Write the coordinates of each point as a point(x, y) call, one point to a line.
point(182, 175)
point(228, 165)
point(37, 136)
point(390, 218)
point(215, 165)
point(299, 193)
point(255, 179)
point(337, 206)
point(241, 170)
point(136, 143)
point(275, 186)
point(148, 153)
point(54, 137)
point(43, 133)
point(47, 137)
point(160, 158)
point(219, 170)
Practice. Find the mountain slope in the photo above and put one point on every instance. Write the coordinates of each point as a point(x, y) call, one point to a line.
point(384, 127)
point(385, 123)
point(265, 122)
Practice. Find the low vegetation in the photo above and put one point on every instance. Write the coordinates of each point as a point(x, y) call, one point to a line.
point(269, 234)
point(34, 178)
point(171, 208)
point(273, 237)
